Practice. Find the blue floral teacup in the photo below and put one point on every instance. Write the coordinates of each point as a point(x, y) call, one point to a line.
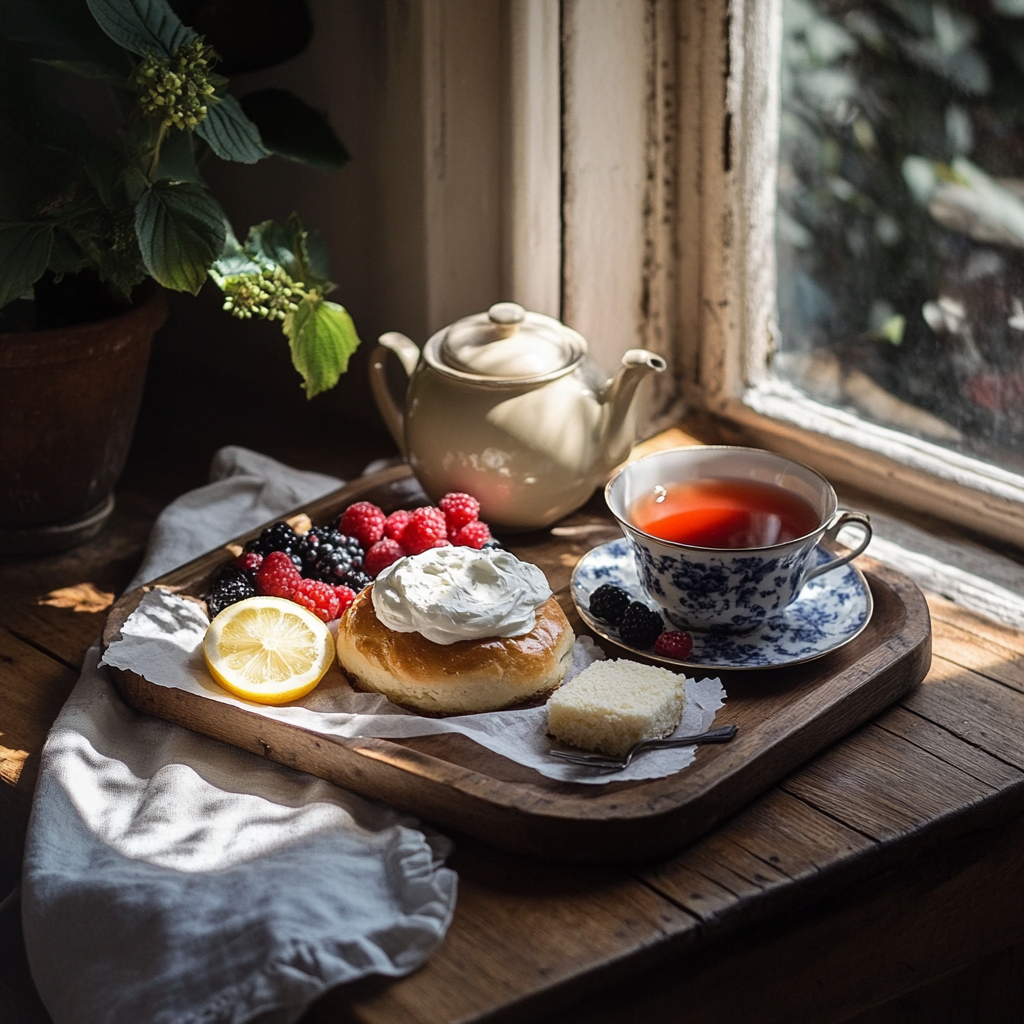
point(729, 589)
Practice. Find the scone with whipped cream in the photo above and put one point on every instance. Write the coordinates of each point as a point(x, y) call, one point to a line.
point(611, 705)
point(456, 631)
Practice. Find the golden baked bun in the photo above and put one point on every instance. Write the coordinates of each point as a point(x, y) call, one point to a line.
point(463, 678)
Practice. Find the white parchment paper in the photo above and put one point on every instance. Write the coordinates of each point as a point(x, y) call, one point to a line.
point(162, 641)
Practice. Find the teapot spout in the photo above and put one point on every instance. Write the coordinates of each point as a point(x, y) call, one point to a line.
point(619, 400)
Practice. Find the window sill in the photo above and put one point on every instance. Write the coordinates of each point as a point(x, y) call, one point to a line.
point(892, 465)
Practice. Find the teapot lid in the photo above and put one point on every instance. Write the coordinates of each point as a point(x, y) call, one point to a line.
point(507, 343)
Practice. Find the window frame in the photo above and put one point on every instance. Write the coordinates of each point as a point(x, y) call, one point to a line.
point(623, 157)
point(729, 59)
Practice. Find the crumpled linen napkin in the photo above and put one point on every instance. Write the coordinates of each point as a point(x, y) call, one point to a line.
point(172, 879)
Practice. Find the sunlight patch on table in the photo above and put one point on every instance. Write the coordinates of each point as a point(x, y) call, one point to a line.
point(11, 764)
point(82, 597)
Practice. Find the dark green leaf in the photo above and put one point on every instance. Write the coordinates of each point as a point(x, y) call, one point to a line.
point(293, 129)
point(66, 256)
point(322, 338)
point(231, 135)
point(88, 69)
point(233, 259)
point(232, 246)
point(142, 26)
point(233, 264)
point(107, 239)
point(135, 184)
point(181, 232)
point(104, 173)
point(308, 264)
point(318, 256)
point(288, 246)
point(121, 273)
point(276, 244)
point(24, 253)
point(120, 268)
point(178, 158)
point(140, 137)
point(67, 37)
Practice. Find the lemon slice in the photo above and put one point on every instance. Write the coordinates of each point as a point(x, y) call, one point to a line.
point(268, 649)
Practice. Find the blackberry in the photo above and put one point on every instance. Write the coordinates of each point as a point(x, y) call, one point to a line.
point(356, 580)
point(319, 541)
point(279, 537)
point(344, 556)
point(640, 626)
point(231, 585)
point(609, 603)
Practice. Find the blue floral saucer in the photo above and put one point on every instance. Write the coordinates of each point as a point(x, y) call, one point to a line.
point(829, 612)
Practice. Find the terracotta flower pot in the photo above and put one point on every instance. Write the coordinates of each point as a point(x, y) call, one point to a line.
point(69, 398)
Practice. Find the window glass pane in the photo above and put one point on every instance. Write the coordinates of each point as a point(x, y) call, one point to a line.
point(900, 230)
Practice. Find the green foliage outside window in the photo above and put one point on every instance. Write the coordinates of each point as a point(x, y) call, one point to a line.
point(900, 231)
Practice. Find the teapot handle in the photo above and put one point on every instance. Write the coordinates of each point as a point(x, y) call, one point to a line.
point(409, 355)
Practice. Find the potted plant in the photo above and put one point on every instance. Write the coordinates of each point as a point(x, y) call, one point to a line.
point(102, 210)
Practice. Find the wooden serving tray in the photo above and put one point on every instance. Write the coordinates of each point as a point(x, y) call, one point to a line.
point(785, 716)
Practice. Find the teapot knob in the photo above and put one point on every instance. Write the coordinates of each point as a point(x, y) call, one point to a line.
point(508, 314)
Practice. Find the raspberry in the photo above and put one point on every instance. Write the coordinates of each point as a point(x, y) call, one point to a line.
point(674, 645)
point(249, 562)
point(346, 595)
point(472, 535)
point(277, 576)
point(640, 626)
point(364, 521)
point(459, 509)
point(609, 603)
point(320, 598)
point(230, 586)
point(425, 530)
point(395, 524)
point(384, 553)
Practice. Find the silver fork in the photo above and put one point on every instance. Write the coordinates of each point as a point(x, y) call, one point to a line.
point(615, 764)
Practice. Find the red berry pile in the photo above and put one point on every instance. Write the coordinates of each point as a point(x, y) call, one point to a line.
point(324, 568)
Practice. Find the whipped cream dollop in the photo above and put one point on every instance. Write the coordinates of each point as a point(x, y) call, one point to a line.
point(456, 593)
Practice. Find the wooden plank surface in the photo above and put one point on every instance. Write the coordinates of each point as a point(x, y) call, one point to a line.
point(861, 953)
point(984, 713)
point(532, 938)
point(33, 686)
point(108, 563)
point(784, 717)
point(527, 937)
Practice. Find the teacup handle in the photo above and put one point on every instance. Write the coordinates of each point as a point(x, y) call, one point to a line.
point(836, 523)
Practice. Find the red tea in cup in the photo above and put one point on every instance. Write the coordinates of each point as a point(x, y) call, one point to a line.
point(724, 513)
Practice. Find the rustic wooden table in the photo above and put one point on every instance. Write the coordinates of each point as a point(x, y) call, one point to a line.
point(883, 881)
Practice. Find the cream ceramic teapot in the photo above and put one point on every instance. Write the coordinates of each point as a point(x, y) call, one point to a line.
point(506, 406)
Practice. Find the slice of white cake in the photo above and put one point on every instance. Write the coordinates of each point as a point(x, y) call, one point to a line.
point(611, 705)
